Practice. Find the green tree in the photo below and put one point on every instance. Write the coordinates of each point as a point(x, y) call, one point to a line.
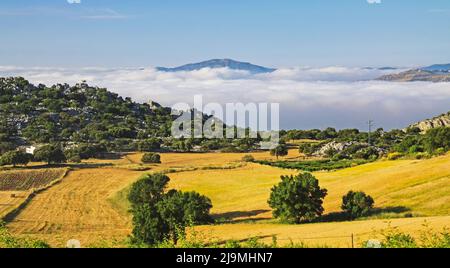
point(51, 154)
point(151, 158)
point(357, 204)
point(149, 189)
point(297, 198)
point(149, 145)
point(437, 138)
point(280, 150)
point(179, 210)
point(15, 158)
point(158, 215)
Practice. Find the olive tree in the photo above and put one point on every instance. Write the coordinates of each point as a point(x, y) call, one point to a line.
point(297, 198)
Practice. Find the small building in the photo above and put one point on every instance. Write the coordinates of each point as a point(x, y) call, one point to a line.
point(30, 150)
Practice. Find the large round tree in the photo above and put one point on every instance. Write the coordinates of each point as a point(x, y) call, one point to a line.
point(297, 198)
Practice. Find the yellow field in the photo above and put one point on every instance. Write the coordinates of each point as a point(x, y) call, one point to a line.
point(90, 204)
point(78, 208)
point(9, 200)
point(17, 186)
point(419, 187)
point(333, 234)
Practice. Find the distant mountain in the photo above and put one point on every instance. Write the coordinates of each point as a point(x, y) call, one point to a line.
point(387, 68)
point(441, 68)
point(219, 63)
point(433, 73)
point(439, 121)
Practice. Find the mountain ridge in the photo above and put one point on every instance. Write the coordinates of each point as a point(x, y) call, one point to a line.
point(219, 63)
point(434, 73)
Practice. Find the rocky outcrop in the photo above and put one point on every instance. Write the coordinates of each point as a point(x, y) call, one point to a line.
point(440, 121)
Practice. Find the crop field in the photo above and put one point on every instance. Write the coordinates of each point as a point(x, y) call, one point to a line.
point(28, 179)
point(332, 234)
point(90, 203)
point(78, 208)
point(16, 186)
point(9, 200)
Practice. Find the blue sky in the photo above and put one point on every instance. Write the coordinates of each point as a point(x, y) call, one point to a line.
point(133, 33)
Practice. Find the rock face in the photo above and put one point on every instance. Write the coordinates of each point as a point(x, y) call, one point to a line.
point(440, 121)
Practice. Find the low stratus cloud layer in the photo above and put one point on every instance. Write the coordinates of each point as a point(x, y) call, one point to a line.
point(309, 97)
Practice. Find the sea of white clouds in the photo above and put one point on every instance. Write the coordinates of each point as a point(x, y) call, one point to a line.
point(309, 97)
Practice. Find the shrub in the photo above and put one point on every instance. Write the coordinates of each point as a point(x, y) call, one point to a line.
point(280, 150)
point(297, 198)
point(395, 156)
point(151, 158)
point(248, 158)
point(440, 151)
point(357, 204)
point(149, 145)
point(9, 241)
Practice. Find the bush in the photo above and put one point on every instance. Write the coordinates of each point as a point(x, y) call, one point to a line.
point(395, 156)
point(440, 151)
point(280, 150)
point(9, 241)
point(151, 158)
point(149, 145)
point(248, 158)
point(309, 148)
point(428, 238)
point(368, 153)
point(357, 204)
point(297, 198)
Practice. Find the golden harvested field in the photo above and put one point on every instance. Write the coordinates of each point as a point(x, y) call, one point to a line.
point(16, 186)
point(333, 234)
point(78, 208)
point(173, 160)
point(418, 187)
point(90, 204)
point(9, 200)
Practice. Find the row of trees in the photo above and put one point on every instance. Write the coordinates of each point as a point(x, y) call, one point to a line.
point(51, 154)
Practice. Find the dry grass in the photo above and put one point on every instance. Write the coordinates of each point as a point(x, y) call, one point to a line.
point(417, 187)
point(10, 200)
point(80, 206)
point(335, 234)
point(17, 185)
